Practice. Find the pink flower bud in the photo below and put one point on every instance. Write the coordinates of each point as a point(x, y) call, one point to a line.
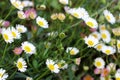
point(77, 61)
point(17, 50)
point(97, 71)
point(6, 24)
point(105, 72)
point(31, 13)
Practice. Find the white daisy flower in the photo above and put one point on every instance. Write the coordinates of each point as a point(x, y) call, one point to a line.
point(108, 50)
point(21, 65)
point(65, 2)
point(28, 47)
point(91, 41)
point(17, 4)
point(111, 67)
point(106, 36)
point(118, 45)
point(102, 27)
point(72, 50)
point(15, 33)
point(27, 3)
point(96, 35)
point(21, 15)
point(109, 16)
point(41, 22)
point(117, 74)
point(52, 66)
point(99, 46)
point(92, 23)
point(21, 28)
point(3, 74)
point(99, 63)
point(7, 36)
point(29, 78)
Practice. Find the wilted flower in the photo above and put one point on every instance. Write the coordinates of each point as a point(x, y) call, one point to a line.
point(61, 16)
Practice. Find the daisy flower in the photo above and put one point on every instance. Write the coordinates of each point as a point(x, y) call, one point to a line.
point(7, 36)
point(62, 64)
point(109, 16)
point(72, 50)
point(108, 50)
point(111, 67)
point(21, 28)
point(118, 45)
point(106, 36)
point(96, 35)
point(41, 22)
point(17, 4)
point(116, 31)
point(99, 63)
point(92, 23)
point(21, 65)
point(15, 33)
point(21, 15)
point(3, 74)
point(52, 66)
point(27, 3)
point(61, 16)
point(91, 41)
point(99, 46)
point(117, 74)
point(102, 27)
point(28, 47)
point(65, 2)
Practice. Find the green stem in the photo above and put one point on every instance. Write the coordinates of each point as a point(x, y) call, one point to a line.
point(42, 75)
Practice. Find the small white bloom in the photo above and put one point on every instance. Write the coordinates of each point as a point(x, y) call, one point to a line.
point(52, 66)
point(117, 74)
point(62, 64)
point(17, 4)
point(27, 3)
point(72, 50)
point(99, 63)
point(106, 36)
point(111, 67)
point(65, 2)
point(28, 47)
point(92, 23)
point(7, 36)
point(21, 28)
point(91, 41)
point(41, 22)
point(96, 35)
point(21, 65)
point(109, 16)
point(108, 50)
point(3, 74)
point(15, 33)
point(102, 27)
point(21, 15)
point(99, 46)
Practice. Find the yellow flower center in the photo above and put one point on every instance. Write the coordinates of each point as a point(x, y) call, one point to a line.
point(75, 15)
point(32, 15)
point(5, 36)
point(59, 65)
point(16, 4)
point(27, 49)
point(118, 78)
point(72, 52)
point(98, 64)
point(103, 28)
point(118, 45)
point(99, 47)
point(107, 51)
point(20, 15)
point(108, 18)
point(90, 24)
point(104, 36)
point(90, 42)
point(20, 65)
point(41, 23)
point(51, 67)
point(14, 34)
point(1, 75)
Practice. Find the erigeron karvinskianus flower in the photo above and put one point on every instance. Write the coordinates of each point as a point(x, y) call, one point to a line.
point(61, 16)
point(52, 66)
point(99, 46)
point(21, 15)
point(96, 35)
point(92, 23)
point(72, 50)
point(21, 28)
point(28, 47)
point(108, 50)
point(106, 36)
point(21, 65)
point(3, 74)
point(17, 4)
point(65, 2)
point(27, 3)
point(31, 13)
point(17, 50)
point(7, 35)
point(111, 67)
point(116, 31)
point(99, 63)
point(109, 16)
point(54, 16)
point(15, 33)
point(41, 22)
point(91, 41)
point(102, 27)
point(117, 74)
point(62, 64)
